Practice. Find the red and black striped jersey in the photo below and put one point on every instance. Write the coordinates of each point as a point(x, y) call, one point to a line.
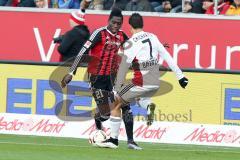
point(104, 47)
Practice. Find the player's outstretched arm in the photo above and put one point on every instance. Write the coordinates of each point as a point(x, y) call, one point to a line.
point(68, 77)
point(90, 43)
point(183, 81)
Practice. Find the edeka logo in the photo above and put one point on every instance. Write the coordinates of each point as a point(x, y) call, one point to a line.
point(231, 106)
point(35, 96)
point(44, 97)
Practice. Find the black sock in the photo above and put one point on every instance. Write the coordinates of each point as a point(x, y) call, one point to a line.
point(128, 121)
point(98, 120)
point(98, 123)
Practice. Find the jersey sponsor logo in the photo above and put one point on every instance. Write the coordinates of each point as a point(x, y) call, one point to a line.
point(113, 43)
point(150, 63)
point(117, 36)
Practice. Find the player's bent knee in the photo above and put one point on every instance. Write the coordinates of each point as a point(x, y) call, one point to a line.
point(117, 107)
point(102, 118)
point(118, 100)
point(103, 109)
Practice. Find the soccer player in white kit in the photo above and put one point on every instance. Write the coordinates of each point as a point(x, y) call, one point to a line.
point(142, 51)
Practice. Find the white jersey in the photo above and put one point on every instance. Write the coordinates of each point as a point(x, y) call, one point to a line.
point(143, 51)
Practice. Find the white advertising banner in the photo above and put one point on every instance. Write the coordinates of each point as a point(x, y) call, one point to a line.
point(159, 132)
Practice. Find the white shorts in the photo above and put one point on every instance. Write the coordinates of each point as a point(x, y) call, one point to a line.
point(129, 92)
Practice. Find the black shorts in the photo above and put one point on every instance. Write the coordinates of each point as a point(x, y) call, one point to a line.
point(102, 87)
point(102, 82)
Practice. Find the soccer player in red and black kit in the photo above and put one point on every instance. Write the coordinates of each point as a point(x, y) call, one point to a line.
point(104, 44)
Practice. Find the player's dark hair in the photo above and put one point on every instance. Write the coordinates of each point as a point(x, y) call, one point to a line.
point(136, 21)
point(115, 12)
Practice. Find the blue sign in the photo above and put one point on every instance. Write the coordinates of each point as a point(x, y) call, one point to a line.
point(20, 94)
point(232, 104)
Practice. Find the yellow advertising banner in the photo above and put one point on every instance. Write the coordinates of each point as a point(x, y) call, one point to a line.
point(210, 98)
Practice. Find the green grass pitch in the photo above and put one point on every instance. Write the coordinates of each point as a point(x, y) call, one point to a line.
point(15, 147)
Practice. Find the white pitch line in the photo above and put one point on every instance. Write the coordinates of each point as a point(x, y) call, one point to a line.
point(46, 144)
point(192, 145)
point(155, 149)
point(192, 150)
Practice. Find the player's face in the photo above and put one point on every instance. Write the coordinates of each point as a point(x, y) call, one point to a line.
point(114, 24)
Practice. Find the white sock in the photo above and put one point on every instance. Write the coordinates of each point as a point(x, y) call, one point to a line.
point(115, 123)
point(143, 102)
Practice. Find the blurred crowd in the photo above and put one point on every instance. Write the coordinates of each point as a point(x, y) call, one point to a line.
point(224, 7)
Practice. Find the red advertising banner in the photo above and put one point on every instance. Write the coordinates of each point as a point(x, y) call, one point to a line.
point(194, 42)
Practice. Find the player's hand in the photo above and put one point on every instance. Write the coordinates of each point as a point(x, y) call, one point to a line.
point(66, 79)
point(183, 82)
point(58, 39)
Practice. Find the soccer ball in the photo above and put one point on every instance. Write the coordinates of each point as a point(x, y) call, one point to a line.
point(97, 136)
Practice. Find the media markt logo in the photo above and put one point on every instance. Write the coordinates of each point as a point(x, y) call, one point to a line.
point(230, 104)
